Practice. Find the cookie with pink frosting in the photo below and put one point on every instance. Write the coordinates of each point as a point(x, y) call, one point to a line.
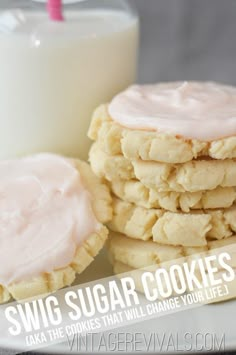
point(171, 122)
point(52, 211)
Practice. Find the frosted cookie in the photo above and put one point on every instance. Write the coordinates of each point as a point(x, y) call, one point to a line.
point(171, 228)
point(139, 254)
point(52, 211)
point(169, 122)
point(134, 191)
point(193, 176)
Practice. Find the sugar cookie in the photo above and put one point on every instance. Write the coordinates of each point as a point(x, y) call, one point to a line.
point(169, 122)
point(134, 191)
point(193, 176)
point(139, 254)
point(51, 215)
point(171, 228)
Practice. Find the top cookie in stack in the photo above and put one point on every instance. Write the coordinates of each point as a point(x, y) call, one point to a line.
point(169, 122)
point(168, 152)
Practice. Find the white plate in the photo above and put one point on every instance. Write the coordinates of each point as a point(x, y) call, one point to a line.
point(202, 328)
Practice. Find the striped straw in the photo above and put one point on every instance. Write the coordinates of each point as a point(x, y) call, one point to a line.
point(54, 8)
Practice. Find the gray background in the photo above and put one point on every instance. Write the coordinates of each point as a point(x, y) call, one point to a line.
point(187, 39)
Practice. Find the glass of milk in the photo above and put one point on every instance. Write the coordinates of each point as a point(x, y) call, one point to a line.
point(54, 74)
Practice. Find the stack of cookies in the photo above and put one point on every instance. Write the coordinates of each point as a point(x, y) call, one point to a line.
point(168, 153)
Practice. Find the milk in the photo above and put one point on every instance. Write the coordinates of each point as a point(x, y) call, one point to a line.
point(53, 75)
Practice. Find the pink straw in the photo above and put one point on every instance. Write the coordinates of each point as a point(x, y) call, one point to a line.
point(54, 8)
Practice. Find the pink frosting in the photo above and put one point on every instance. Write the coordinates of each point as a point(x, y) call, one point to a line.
point(201, 110)
point(45, 214)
